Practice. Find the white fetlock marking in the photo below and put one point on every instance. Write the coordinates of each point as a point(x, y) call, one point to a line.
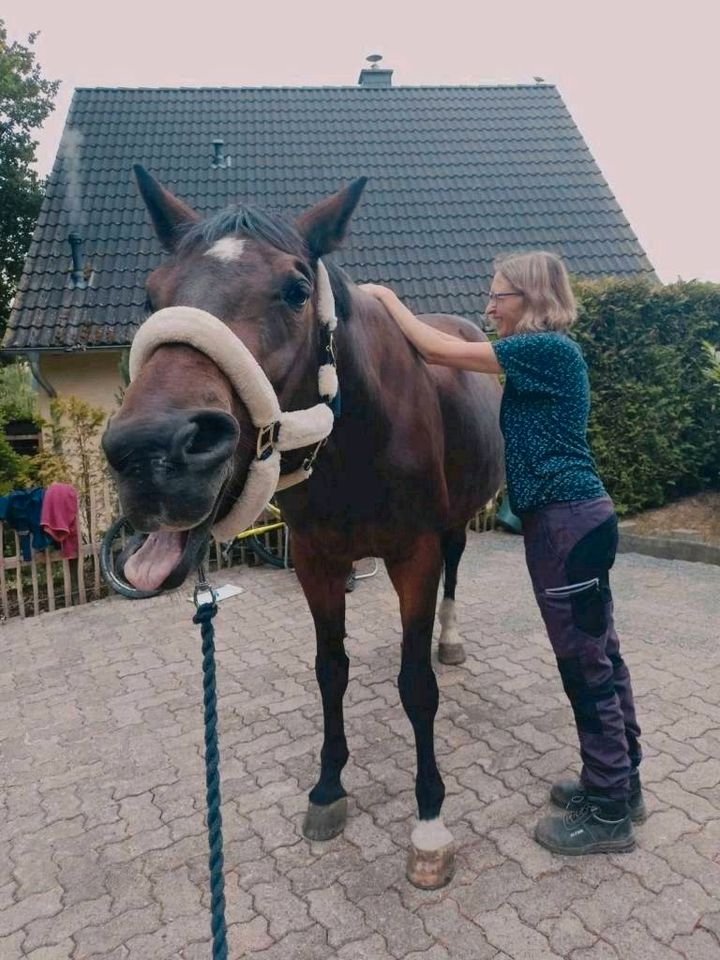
point(448, 622)
point(431, 835)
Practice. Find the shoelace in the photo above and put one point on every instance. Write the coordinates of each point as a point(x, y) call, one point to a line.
point(579, 810)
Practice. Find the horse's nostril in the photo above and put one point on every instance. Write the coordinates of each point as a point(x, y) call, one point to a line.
point(196, 440)
point(182, 442)
point(210, 436)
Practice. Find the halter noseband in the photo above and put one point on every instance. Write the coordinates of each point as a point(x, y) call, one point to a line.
point(277, 430)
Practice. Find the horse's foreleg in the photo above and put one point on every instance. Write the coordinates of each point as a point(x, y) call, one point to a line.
point(450, 646)
point(323, 582)
point(416, 576)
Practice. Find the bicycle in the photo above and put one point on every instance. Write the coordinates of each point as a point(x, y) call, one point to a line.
point(123, 529)
point(261, 551)
point(265, 555)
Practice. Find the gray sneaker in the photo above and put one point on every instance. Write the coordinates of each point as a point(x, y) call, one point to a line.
point(593, 825)
point(568, 792)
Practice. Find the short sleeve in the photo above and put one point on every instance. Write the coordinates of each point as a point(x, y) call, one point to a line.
point(535, 363)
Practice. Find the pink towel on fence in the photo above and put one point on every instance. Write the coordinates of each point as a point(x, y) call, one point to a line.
point(59, 517)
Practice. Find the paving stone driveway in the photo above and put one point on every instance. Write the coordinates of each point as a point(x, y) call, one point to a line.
point(102, 838)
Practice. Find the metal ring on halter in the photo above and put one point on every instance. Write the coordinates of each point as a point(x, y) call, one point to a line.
point(107, 564)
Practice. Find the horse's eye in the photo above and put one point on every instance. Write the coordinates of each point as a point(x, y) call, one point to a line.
point(296, 294)
point(148, 305)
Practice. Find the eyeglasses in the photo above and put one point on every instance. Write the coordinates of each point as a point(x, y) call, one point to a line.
point(494, 297)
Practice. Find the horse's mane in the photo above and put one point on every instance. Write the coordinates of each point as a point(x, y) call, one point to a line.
point(280, 233)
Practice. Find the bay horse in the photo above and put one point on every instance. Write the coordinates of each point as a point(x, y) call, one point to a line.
point(413, 453)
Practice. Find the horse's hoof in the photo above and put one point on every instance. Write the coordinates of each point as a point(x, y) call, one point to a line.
point(324, 823)
point(451, 653)
point(431, 860)
point(430, 869)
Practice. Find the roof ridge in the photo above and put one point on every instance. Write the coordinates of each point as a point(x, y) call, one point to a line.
point(418, 86)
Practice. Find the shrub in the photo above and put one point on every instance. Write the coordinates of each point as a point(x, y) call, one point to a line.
point(18, 401)
point(655, 421)
point(75, 457)
point(15, 469)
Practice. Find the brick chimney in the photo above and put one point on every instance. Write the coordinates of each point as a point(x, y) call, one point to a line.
point(375, 77)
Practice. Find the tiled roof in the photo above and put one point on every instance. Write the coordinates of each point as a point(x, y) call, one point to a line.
point(457, 175)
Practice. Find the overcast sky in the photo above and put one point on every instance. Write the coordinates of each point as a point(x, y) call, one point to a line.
point(640, 77)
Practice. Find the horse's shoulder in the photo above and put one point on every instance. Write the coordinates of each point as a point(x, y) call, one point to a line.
point(457, 326)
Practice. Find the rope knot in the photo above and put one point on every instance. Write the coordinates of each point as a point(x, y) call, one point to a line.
point(204, 613)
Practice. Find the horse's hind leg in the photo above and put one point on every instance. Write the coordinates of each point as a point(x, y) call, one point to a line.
point(450, 647)
point(323, 582)
point(415, 576)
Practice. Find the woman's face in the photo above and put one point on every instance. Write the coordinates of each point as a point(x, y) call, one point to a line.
point(506, 306)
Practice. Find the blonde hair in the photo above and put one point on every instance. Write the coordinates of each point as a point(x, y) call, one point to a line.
point(543, 280)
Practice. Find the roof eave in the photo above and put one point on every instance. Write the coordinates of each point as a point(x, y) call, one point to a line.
point(85, 348)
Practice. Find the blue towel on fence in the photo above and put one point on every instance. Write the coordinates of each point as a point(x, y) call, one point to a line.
point(21, 510)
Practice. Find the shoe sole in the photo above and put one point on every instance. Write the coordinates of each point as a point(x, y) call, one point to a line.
point(607, 846)
point(639, 815)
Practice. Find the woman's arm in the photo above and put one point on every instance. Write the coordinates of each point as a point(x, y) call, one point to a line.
point(433, 345)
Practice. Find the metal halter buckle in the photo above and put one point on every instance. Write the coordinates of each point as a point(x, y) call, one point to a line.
point(331, 349)
point(266, 440)
point(312, 457)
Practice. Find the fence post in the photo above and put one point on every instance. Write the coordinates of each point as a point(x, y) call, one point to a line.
point(34, 577)
point(3, 582)
point(18, 576)
point(49, 581)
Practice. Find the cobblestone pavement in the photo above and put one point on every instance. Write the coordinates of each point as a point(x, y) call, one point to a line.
point(102, 838)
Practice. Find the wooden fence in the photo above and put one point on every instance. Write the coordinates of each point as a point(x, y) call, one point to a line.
point(48, 581)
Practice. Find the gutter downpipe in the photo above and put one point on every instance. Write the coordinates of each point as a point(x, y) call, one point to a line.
point(34, 361)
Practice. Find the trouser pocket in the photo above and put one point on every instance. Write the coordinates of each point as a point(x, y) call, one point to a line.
point(587, 565)
point(588, 601)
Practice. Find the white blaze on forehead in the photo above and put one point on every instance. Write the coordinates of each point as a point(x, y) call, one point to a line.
point(227, 249)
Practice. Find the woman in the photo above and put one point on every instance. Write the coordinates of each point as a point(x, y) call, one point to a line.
point(569, 528)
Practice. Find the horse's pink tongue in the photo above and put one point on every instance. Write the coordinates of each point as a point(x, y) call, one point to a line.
point(156, 559)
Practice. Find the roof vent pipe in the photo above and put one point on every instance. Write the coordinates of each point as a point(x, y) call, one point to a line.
point(77, 275)
point(219, 160)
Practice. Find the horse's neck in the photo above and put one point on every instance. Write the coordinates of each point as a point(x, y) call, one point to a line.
point(376, 358)
point(375, 362)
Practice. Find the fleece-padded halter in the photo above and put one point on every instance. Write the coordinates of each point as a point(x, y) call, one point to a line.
point(277, 430)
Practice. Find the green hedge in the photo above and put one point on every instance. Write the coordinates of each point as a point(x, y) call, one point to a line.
point(655, 422)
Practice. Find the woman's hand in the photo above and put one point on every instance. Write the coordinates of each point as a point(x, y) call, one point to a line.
point(376, 290)
point(433, 345)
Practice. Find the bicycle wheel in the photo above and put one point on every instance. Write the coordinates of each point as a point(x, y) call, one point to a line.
point(267, 556)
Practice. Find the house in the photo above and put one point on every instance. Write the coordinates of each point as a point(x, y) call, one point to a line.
point(457, 176)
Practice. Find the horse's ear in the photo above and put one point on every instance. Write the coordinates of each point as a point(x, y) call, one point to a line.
point(324, 225)
point(169, 215)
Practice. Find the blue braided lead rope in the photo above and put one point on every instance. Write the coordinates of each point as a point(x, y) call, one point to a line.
point(204, 616)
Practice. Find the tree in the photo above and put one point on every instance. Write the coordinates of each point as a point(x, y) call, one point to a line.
point(26, 100)
point(74, 456)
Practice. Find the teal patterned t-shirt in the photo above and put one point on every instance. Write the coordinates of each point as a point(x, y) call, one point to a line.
point(543, 418)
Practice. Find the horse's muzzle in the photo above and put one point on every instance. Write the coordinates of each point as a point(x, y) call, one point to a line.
point(170, 469)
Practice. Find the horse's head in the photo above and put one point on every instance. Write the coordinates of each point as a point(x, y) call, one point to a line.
point(183, 442)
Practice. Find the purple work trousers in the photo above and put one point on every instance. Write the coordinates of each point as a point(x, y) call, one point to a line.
point(570, 548)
